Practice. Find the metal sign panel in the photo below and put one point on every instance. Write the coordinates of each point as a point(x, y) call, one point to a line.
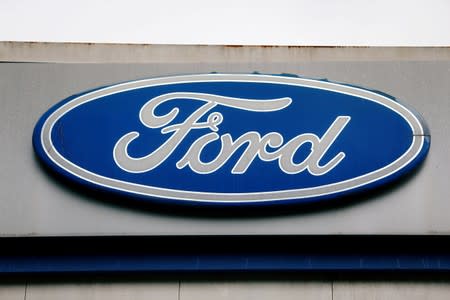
point(231, 139)
point(40, 202)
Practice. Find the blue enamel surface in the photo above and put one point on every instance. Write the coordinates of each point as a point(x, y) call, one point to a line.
point(237, 263)
point(224, 253)
point(374, 137)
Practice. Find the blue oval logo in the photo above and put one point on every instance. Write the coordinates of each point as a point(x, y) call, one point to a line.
point(231, 139)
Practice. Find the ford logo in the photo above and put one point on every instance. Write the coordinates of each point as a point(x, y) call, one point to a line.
point(231, 139)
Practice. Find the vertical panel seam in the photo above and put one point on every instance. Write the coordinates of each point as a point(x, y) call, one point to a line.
point(25, 291)
point(332, 289)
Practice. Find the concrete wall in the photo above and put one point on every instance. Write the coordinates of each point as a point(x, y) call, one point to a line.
point(185, 54)
point(317, 286)
point(417, 76)
point(304, 289)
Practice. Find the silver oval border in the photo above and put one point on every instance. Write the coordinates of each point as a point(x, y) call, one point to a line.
point(293, 194)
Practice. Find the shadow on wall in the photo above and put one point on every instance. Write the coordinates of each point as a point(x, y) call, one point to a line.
point(195, 210)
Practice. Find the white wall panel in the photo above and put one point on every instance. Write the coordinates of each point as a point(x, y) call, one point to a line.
point(391, 290)
point(14, 291)
point(103, 291)
point(259, 290)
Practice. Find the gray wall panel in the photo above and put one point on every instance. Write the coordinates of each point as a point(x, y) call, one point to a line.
point(32, 203)
point(258, 290)
point(12, 291)
point(103, 290)
point(411, 290)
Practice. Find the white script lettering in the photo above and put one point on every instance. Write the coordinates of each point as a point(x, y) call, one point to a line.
point(267, 148)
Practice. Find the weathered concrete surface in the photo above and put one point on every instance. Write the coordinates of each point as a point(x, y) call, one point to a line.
point(134, 53)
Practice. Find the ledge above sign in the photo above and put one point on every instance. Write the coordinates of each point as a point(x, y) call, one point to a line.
point(231, 139)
